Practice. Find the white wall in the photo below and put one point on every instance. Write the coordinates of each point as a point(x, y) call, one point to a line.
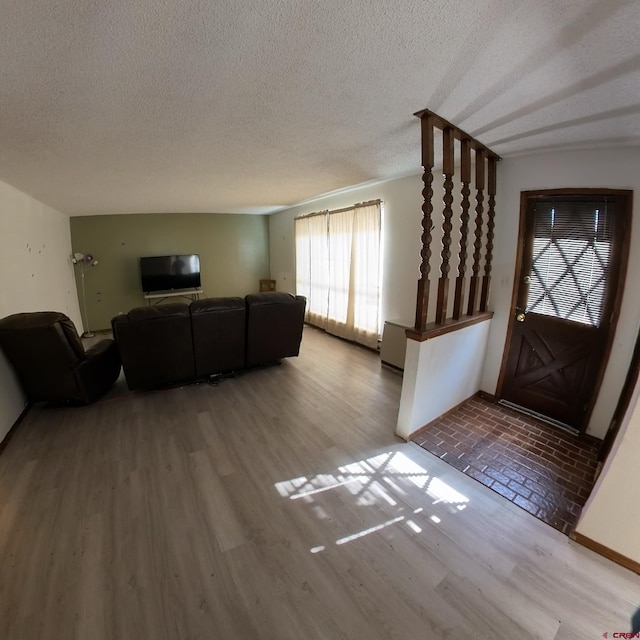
point(36, 274)
point(611, 516)
point(402, 202)
point(439, 374)
point(614, 169)
point(402, 198)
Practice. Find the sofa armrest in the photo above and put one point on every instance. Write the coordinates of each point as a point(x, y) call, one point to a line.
point(274, 326)
point(98, 371)
point(99, 348)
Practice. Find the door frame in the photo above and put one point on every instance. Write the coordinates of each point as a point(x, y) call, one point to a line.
point(614, 309)
point(624, 401)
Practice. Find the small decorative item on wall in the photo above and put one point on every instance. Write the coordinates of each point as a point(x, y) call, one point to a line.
point(84, 261)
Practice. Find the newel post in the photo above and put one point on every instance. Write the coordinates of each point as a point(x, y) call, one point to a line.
point(465, 178)
point(427, 223)
point(491, 214)
point(448, 168)
point(477, 245)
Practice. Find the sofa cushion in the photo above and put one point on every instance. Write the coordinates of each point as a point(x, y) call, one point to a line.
point(218, 326)
point(271, 297)
point(216, 304)
point(155, 345)
point(174, 309)
point(274, 326)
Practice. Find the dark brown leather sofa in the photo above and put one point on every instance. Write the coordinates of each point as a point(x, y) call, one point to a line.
point(172, 343)
point(50, 361)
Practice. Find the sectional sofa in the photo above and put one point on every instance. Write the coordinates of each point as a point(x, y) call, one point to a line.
point(173, 343)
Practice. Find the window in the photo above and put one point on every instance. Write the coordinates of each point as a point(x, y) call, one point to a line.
point(571, 255)
point(338, 270)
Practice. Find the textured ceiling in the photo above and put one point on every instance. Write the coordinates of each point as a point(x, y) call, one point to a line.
point(125, 106)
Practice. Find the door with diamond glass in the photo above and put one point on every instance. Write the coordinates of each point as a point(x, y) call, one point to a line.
point(572, 256)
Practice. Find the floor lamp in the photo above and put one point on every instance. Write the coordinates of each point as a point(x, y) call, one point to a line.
point(85, 260)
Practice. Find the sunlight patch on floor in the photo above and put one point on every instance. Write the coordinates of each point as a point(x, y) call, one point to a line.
point(389, 481)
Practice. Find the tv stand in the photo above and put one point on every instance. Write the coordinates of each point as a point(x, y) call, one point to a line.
point(159, 296)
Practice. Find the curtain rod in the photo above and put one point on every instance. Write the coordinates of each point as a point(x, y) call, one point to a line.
point(325, 212)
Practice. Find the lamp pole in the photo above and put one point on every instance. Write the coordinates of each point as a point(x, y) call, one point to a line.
point(88, 333)
point(85, 261)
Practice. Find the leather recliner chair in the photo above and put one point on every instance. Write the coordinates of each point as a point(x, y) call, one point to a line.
point(51, 364)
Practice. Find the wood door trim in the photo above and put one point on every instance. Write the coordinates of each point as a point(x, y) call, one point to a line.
point(631, 380)
point(514, 293)
point(576, 191)
point(604, 551)
point(613, 309)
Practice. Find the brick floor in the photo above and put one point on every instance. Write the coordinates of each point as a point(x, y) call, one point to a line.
point(542, 469)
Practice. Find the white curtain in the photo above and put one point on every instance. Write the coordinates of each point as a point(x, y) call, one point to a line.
point(338, 270)
point(340, 312)
point(366, 274)
point(312, 266)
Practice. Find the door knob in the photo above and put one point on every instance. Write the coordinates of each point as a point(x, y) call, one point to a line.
point(527, 279)
point(520, 317)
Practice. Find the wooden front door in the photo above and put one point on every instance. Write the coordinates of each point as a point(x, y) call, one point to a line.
point(572, 257)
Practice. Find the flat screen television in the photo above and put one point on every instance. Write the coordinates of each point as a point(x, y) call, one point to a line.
point(166, 273)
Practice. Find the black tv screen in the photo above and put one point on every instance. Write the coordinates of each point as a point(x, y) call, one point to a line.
point(165, 273)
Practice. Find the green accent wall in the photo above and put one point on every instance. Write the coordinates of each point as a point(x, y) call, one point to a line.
point(233, 249)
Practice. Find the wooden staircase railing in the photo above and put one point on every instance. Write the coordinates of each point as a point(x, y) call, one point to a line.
point(476, 292)
point(485, 180)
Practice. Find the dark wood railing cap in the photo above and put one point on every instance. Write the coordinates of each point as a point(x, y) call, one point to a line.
point(433, 329)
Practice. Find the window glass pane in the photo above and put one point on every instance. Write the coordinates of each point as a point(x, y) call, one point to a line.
point(571, 254)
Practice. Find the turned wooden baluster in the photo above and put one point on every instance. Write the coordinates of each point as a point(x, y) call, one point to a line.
point(447, 213)
point(427, 209)
point(465, 205)
point(491, 213)
point(477, 245)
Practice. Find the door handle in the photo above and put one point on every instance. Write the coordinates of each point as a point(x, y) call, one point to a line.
point(520, 317)
point(527, 279)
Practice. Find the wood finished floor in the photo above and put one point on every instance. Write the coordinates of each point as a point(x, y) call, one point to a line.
point(276, 505)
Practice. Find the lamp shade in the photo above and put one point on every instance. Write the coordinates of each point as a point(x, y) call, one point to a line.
point(86, 258)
